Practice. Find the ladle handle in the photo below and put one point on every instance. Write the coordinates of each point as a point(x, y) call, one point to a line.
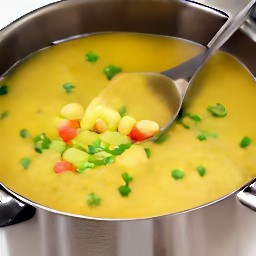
point(12, 210)
point(236, 10)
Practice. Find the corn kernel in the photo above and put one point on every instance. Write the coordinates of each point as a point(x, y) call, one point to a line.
point(126, 124)
point(72, 111)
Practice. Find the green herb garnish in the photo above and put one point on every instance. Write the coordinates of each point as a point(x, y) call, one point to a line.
point(111, 70)
point(148, 152)
point(122, 111)
point(93, 199)
point(125, 189)
point(24, 133)
point(4, 115)
point(25, 162)
point(91, 57)
point(205, 135)
point(217, 110)
point(245, 142)
point(177, 174)
point(68, 87)
point(201, 170)
point(85, 167)
point(41, 142)
point(194, 117)
point(4, 89)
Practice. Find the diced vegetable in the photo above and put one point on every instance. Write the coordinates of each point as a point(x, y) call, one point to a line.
point(64, 166)
point(58, 146)
point(24, 133)
point(72, 111)
point(111, 70)
point(217, 110)
point(41, 142)
point(86, 137)
point(68, 130)
point(85, 166)
point(177, 174)
point(100, 126)
point(201, 170)
point(143, 130)
point(110, 116)
point(75, 156)
point(25, 162)
point(68, 87)
point(126, 124)
point(93, 199)
point(91, 57)
point(125, 189)
point(148, 152)
point(114, 138)
point(4, 89)
point(245, 142)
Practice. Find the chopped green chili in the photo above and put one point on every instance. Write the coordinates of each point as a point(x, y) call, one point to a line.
point(4, 115)
point(111, 70)
point(25, 162)
point(24, 133)
point(177, 174)
point(245, 142)
point(93, 199)
point(217, 110)
point(201, 170)
point(68, 87)
point(91, 57)
point(148, 152)
point(4, 89)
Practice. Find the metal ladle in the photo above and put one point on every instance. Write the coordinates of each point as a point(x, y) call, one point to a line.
point(171, 86)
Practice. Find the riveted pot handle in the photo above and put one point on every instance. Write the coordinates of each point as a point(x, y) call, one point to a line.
point(12, 210)
point(235, 10)
point(247, 196)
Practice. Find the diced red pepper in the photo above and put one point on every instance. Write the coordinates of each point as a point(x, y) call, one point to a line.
point(64, 166)
point(68, 130)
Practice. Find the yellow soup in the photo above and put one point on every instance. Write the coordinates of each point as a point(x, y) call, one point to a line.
point(201, 158)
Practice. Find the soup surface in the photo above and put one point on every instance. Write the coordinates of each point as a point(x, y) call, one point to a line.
point(207, 153)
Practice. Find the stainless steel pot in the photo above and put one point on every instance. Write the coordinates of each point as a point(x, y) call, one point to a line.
point(224, 227)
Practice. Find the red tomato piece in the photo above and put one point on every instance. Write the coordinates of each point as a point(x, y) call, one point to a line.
point(137, 135)
point(68, 130)
point(64, 166)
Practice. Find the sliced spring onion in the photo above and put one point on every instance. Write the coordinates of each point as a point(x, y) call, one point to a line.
point(124, 190)
point(217, 110)
point(24, 133)
point(68, 87)
point(177, 174)
point(25, 162)
point(148, 152)
point(111, 70)
point(127, 178)
point(245, 142)
point(93, 199)
point(122, 111)
point(91, 57)
point(201, 170)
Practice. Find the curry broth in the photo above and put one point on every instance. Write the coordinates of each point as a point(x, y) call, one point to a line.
point(36, 96)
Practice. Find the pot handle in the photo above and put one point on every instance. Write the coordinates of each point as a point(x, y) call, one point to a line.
point(12, 210)
point(236, 10)
point(247, 196)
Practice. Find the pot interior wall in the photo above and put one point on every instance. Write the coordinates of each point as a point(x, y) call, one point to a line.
point(69, 18)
